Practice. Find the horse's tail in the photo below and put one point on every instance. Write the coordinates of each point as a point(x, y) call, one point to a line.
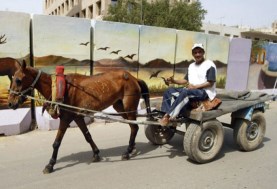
point(145, 95)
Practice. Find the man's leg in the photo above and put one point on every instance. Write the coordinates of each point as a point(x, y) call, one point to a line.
point(168, 98)
point(183, 98)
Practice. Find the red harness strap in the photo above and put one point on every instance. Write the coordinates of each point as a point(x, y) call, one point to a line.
point(60, 83)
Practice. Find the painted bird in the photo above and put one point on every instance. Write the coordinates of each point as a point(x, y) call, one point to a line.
point(85, 44)
point(115, 52)
point(165, 81)
point(155, 74)
point(103, 48)
point(130, 56)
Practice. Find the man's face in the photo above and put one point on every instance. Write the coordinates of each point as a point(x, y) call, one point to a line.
point(198, 55)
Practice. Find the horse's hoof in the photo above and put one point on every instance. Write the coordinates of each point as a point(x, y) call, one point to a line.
point(125, 156)
point(48, 169)
point(134, 152)
point(96, 158)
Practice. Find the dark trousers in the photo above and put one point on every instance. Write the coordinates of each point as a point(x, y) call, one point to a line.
point(175, 99)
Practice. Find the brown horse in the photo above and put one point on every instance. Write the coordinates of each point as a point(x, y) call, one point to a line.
point(117, 88)
point(8, 66)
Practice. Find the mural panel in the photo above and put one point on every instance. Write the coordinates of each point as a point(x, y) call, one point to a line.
point(185, 41)
point(263, 67)
point(238, 65)
point(14, 43)
point(156, 56)
point(217, 50)
point(115, 47)
point(62, 41)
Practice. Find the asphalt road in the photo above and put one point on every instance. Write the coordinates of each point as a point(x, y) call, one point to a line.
point(23, 157)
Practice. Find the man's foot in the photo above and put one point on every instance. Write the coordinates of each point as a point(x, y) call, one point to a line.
point(165, 120)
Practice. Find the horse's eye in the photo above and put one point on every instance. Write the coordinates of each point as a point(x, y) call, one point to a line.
point(18, 81)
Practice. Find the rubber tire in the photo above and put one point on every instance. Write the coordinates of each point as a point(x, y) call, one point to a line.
point(192, 140)
point(240, 132)
point(158, 134)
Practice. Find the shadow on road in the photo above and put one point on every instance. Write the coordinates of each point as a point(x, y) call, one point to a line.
point(173, 149)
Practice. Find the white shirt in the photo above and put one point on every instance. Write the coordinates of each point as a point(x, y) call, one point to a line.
point(199, 74)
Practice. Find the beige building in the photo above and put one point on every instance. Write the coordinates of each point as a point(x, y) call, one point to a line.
point(77, 8)
point(95, 9)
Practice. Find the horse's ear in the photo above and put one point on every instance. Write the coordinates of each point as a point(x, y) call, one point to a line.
point(23, 66)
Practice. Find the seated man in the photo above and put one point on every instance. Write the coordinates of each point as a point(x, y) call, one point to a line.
point(201, 82)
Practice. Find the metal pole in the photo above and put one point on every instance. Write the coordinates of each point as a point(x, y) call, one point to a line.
point(141, 22)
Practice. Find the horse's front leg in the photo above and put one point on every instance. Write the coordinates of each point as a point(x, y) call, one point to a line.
point(62, 129)
point(131, 148)
point(82, 125)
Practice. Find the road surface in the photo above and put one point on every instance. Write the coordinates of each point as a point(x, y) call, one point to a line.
point(23, 157)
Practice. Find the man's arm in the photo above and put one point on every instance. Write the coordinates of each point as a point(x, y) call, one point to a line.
point(171, 80)
point(201, 86)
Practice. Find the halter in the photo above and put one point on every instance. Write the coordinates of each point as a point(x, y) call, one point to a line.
point(31, 87)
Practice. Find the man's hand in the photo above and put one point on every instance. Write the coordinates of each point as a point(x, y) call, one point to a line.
point(191, 86)
point(170, 80)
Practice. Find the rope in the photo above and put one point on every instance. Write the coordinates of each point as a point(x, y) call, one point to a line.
point(104, 115)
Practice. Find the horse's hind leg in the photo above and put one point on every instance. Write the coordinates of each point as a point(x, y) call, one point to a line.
point(131, 115)
point(82, 125)
point(62, 129)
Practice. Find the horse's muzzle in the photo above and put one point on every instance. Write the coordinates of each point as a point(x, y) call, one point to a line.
point(13, 106)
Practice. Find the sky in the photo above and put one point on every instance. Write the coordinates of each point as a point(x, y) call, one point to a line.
point(28, 6)
point(251, 13)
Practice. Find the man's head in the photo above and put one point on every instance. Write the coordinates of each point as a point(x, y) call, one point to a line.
point(198, 52)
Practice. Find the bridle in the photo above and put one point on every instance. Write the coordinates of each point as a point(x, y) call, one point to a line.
point(31, 87)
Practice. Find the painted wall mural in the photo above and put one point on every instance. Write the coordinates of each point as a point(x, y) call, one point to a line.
point(62, 41)
point(14, 43)
point(156, 56)
point(89, 47)
point(115, 47)
point(263, 67)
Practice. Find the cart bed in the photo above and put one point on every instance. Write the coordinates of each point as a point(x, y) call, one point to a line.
point(231, 102)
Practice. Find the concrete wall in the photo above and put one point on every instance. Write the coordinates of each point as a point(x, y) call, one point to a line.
point(88, 47)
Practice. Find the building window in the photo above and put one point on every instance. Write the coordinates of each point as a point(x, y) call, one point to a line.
point(62, 9)
point(90, 13)
point(66, 5)
point(98, 6)
point(84, 13)
point(227, 35)
point(214, 32)
point(236, 36)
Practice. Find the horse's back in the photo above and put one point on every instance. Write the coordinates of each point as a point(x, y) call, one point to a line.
point(105, 88)
point(115, 77)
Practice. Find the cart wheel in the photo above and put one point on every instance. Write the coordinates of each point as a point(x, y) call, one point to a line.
point(248, 135)
point(158, 134)
point(203, 143)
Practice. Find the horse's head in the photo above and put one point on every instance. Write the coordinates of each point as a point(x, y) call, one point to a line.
point(22, 84)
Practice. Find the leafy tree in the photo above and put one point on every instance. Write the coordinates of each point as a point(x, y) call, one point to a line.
point(179, 15)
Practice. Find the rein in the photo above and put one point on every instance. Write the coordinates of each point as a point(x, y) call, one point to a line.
point(84, 112)
point(31, 87)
